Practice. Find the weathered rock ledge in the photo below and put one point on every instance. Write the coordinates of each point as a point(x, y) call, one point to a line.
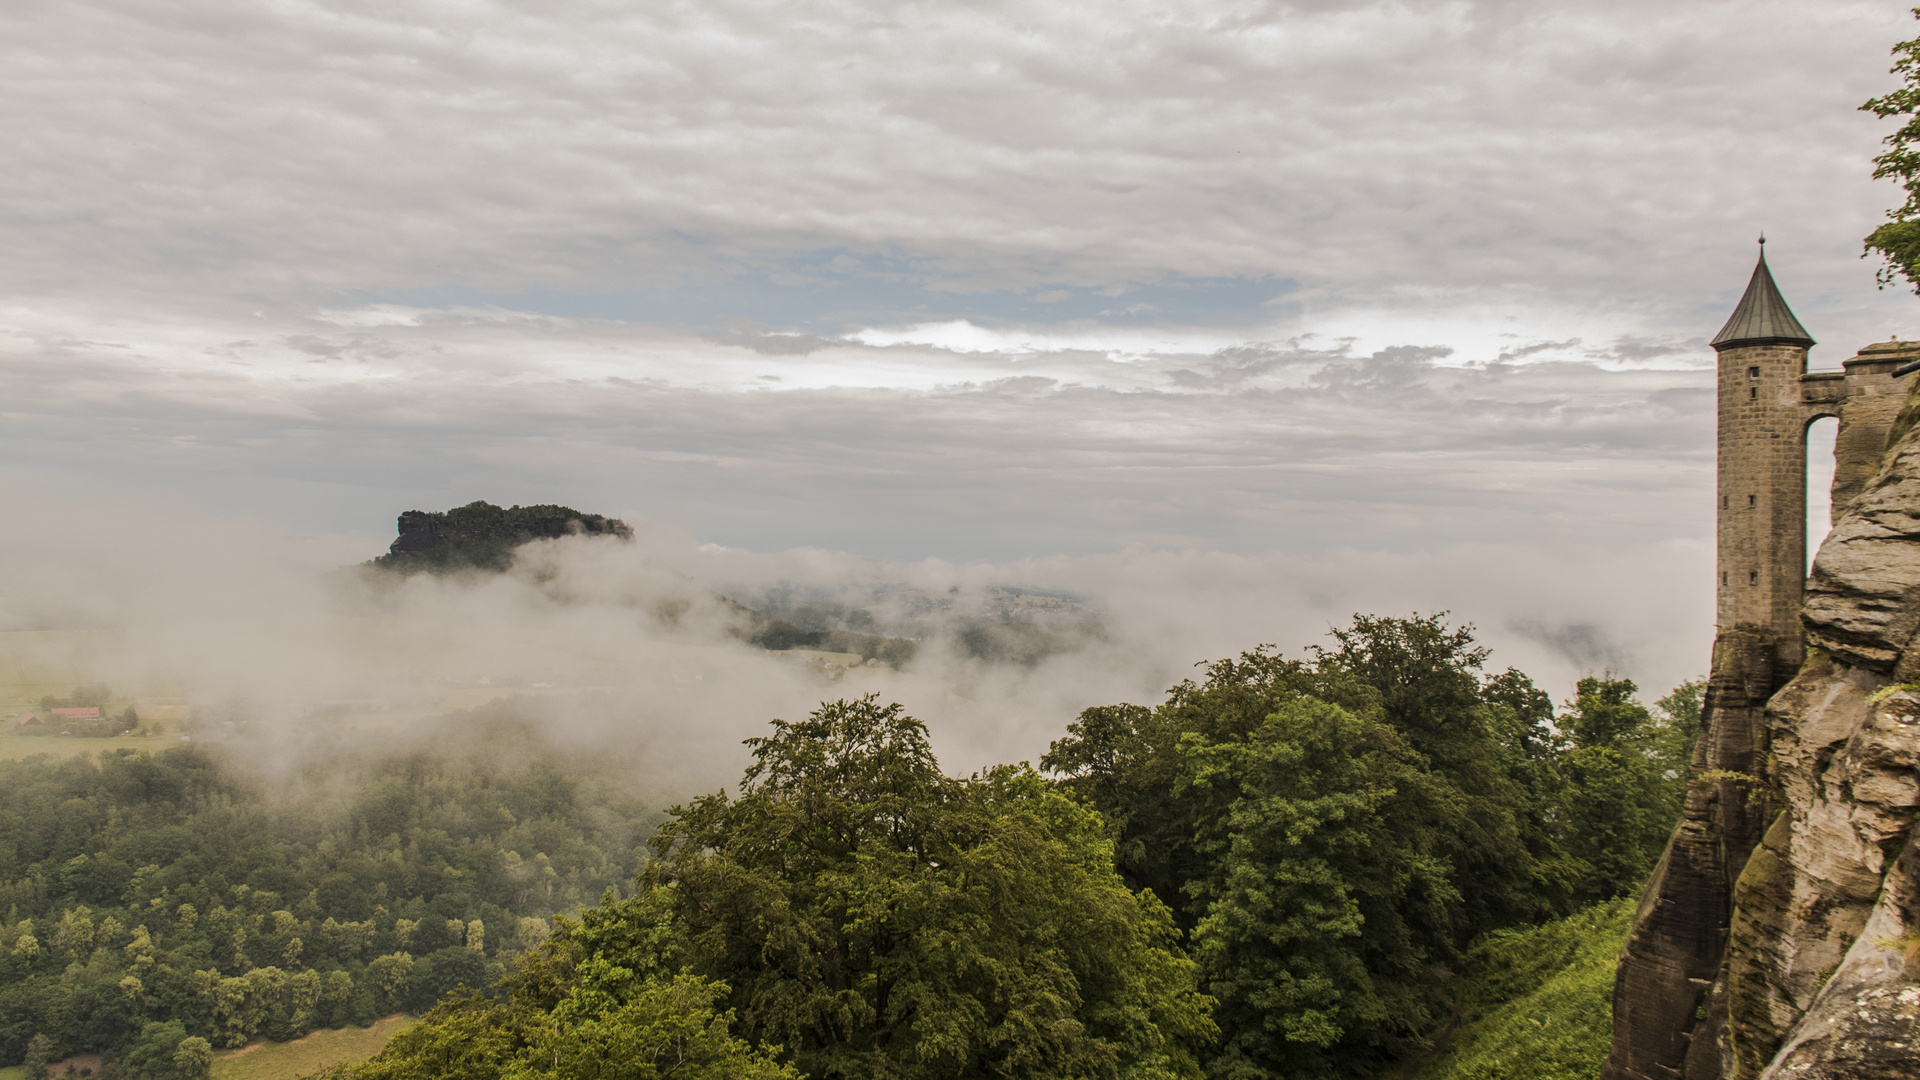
point(1780, 937)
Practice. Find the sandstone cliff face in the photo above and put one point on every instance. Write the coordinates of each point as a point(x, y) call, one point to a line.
point(1827, 912)
point(1796, 954)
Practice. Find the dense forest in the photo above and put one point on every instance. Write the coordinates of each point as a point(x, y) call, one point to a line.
point(183, 888)
point(1291, 867)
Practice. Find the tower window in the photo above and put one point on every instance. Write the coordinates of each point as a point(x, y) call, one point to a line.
point(1754, 393)
point(1753, 373)
point(1723, 577)
point(1752, 501)
point(1753, 577)
point(1723, 502)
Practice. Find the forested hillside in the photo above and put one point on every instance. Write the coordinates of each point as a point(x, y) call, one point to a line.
point(1340, 864)
point(1335, 829)
point(181, 887)
point(1374, 859)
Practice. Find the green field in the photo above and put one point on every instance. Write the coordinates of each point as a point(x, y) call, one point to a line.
point(302, 1057)
point(288, 1060)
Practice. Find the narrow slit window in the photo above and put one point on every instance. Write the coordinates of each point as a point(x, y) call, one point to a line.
point(1753, 577)
point(1752, 501)
point(1754, 393)
point(1723, 577)
point(1753, 373)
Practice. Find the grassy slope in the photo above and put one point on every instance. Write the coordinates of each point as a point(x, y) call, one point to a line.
point(1538, 1003)
point(301, 1057)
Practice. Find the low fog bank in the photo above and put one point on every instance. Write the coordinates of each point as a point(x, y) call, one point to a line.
point(623, 651)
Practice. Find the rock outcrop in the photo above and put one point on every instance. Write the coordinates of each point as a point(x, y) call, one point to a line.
point(1780, 937)
point(482, 536)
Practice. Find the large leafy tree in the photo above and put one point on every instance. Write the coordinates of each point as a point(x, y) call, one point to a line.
point(1623, 774)
point(1324, 888)
point(1898, 241)
point(879, 919)
point(1335, 828)
point(598, 1000)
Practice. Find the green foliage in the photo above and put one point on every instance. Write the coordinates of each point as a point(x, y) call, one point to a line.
point(878, 918)
point(1316, 827)
point(660, 1028)
point(1677, 727)
point(151, 1057)
point(815, 632)
point(1898, 241)
point(1537, 1003)
point(193, 1059)
point(33, 1063)
point(173, 887)
point(1336, 829)
point(1623, 776)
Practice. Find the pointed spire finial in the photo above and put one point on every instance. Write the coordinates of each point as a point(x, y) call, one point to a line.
point(1762, 317)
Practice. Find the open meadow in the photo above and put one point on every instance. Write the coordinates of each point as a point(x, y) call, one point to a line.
point(305, 1056)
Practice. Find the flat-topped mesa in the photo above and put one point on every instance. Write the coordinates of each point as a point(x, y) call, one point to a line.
point(482, 536)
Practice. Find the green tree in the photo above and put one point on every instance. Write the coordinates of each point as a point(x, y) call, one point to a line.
point(649, 1031)
point(193, 1060)
point(150, 1057)
point(878, 918)
point(1677, 729)
point(669, 1027)
point(1324, 892)
point(1335, 829)
point(1616, 808)
point(39, 1054)
point(1898, 241)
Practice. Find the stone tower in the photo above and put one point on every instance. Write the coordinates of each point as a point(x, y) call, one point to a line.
point(1763, 470)
point(1767, 398)
point(1671, 1011)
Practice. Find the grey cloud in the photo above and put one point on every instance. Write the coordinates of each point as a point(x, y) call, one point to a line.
point(1631, 348)
point(1042, 453)
point(1395, 371)
point(1590, 649)
point(768, 342)
point(260, 153)
point(1238, 365)
point(1520, 352)
point(225, 607)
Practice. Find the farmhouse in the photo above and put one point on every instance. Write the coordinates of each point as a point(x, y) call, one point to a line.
point(27, 721)
point(90, 712)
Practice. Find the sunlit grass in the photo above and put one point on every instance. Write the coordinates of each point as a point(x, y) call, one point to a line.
point(1539, 1002)
point(302, 1057)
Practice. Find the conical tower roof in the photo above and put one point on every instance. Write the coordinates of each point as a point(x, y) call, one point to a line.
point(1763, 317)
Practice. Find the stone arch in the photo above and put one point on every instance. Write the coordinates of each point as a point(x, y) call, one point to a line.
point(1822, 461)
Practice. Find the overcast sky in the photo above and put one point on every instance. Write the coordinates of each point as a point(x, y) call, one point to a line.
point(976, 281)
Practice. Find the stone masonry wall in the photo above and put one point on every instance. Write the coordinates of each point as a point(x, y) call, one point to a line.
point(1762, 495)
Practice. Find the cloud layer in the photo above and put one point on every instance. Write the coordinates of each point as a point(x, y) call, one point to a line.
point(831, 161)
point(1238, 316)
